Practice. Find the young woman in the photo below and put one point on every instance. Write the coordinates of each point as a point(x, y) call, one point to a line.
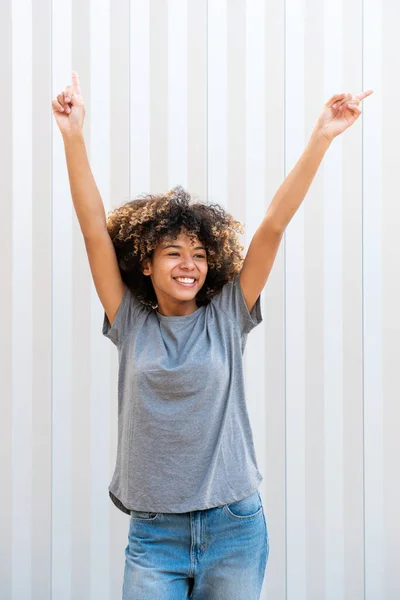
point(179, 302)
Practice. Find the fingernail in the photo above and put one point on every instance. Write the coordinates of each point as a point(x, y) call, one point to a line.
point(67, 99)
point(334, 105)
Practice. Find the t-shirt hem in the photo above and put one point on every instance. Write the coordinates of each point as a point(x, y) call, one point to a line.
point(213, 504)
point(118, 503)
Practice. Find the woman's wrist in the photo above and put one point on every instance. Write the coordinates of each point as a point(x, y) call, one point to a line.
point(72, 134)
point(320, 138)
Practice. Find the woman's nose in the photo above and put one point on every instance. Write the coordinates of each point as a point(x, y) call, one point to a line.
point(188, 263)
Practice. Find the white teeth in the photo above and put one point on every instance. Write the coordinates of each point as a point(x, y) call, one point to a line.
point(185, 279)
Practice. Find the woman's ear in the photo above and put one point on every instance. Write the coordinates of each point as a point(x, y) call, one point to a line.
point(146, 270)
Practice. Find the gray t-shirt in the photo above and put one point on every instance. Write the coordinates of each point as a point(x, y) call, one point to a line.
point(184, 436)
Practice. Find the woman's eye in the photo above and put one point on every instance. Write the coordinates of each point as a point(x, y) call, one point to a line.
point(176, 254)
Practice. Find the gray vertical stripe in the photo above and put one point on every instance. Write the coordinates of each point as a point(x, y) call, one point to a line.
point(333, 317)
point(353, 512)
point(158, 96)
point(274, 312)
point(372, 267)
point(390, 301)
point(177, 93)
point(139, 115)
point(197, 98)
point(6, 241)
point(236, 108)
point(98, 430)
point(120, 135)
point(21, 314)
point(41, 279)
point(295, 313)
point(62, 348)
point(217, 184)
point(249, 162)
point(81, 375)
point(314, 306)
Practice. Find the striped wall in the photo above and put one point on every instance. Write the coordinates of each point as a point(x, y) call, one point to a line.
point(220, 97)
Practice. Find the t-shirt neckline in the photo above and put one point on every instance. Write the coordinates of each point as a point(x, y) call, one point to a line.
point(178, 317)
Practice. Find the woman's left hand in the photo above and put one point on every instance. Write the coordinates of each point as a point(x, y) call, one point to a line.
point(340, 112)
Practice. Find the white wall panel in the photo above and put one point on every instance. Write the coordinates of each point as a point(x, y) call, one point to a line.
point(221, 98)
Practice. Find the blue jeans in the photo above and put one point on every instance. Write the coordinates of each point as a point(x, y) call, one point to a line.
point(214, 554)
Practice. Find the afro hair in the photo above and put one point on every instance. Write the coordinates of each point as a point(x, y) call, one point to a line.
point(137, 227)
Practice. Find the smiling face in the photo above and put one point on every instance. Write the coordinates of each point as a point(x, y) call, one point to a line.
point(178, 270)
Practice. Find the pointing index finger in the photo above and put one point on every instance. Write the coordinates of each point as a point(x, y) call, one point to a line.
point(75, 83)
point(363, 95)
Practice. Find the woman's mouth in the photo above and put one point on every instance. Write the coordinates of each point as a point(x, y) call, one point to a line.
point(185, 281)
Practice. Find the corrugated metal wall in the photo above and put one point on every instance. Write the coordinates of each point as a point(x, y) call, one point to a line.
point(220, 97)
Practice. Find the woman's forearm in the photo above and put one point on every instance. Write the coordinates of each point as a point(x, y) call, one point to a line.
point(86, 197)
point(296, 185)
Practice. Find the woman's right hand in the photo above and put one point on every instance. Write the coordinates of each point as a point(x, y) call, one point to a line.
point(69, 109)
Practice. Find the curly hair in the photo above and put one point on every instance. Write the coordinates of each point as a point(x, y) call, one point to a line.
point(137, 227)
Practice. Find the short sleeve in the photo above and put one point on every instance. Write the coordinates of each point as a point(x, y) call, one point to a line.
point(127, 314)
point(231, 301)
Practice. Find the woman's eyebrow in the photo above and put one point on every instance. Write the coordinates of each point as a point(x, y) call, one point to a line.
point(177, 246)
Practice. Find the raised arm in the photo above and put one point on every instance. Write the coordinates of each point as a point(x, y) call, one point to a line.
point(339, 113)
point(69, 113)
